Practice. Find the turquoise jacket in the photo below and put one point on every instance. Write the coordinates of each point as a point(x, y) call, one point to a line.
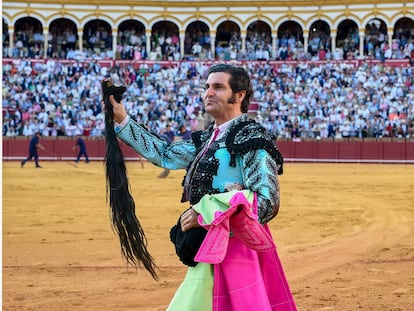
point(245, 157)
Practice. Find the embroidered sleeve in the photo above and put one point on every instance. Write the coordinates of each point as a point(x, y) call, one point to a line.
point(155, 149)
point(260, 176)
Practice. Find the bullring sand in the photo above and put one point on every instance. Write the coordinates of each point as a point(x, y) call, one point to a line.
point(345, 235)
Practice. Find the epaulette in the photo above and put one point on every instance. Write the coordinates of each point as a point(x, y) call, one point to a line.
point(249, 135)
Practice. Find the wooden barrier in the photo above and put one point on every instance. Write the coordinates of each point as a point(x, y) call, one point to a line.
point(381, 151)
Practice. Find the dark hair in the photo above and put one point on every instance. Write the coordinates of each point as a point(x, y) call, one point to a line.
point(124, 221)
point(239, 81)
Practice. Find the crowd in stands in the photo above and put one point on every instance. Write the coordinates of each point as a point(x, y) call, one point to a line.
point(165, 45)
point(307, 100)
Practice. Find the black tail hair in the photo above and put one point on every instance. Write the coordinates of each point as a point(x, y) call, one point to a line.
point(124, 221)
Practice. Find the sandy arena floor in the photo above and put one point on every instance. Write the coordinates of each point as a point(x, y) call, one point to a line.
point(345, 235)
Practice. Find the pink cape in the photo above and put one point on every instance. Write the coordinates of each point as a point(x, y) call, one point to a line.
point(248, 274)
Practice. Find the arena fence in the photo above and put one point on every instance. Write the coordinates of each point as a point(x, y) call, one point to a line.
point(353, 151)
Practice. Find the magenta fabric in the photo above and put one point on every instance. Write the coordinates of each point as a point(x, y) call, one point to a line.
point(248, 274)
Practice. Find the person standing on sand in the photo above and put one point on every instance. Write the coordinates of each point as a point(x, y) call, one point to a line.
point(232, 187)
point(33, 146)
point(80, 142)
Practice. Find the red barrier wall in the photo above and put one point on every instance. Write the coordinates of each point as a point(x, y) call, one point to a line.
point(306, 151)
point(60, 149)
point(344, 151)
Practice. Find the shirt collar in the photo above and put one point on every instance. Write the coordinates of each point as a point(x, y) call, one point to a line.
point(223, 127)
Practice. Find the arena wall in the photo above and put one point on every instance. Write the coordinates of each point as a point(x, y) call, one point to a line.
point(397, 151)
